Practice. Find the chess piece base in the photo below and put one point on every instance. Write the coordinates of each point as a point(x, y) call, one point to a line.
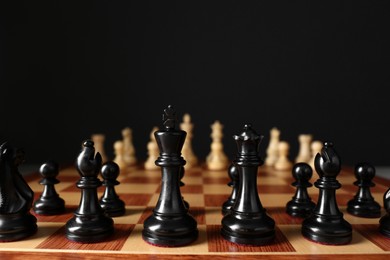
point(370, 209)
point(248, 229)
point(170, 231)
point(52, 206)
point(89, 229)
point(113, 208)
point(17, 226)
point(384, 225)
point(329, 230)
point(299, 209)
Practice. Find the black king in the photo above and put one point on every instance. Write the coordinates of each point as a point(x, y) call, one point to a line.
point(170, 224)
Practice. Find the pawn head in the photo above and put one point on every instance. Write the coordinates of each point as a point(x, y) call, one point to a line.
point(110, 170)
point(302, 171)
point(49, 169)
point(364, 171)
point(233, 171)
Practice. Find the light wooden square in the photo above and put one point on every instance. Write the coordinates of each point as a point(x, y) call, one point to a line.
point(213, 215)
point(136, 244)
point(132, 215)
point(215, 174)
point(358, 245)
point(195, 200)
point(192, 180)
point(216, 189)
point(274, 200)
point(145, 188)
point(45, 229)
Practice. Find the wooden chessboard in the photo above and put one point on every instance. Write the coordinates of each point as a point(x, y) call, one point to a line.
point(205, 191)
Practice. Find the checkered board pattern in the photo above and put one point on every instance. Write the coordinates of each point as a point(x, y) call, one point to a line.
point(205, 191)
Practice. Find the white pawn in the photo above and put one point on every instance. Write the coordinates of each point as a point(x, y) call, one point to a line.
point(216, 159)
point(98, 140)
point(187, 152)
point(118, 151)
point(128, 147)
point(283, 163)
point(304, 154)
point(316, 147)
point(153, 152)
point(272, 149)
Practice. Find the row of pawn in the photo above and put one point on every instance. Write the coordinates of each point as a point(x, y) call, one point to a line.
point(125, 155)
point(277, 153)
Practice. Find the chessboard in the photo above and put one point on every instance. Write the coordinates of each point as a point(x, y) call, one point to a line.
point(205, 191)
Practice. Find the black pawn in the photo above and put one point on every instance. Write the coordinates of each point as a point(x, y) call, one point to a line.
point(89, 223)
point(326, 224)
point(110, 201)
point(233, 174)
point(16, 197)
point(170, 225)
point(363, 204)
point(181, 185)
point(247, 222)
point(384, 222)
point(49, 203)
point(301, 204)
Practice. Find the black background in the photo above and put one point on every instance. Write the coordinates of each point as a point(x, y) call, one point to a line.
point(72, 68)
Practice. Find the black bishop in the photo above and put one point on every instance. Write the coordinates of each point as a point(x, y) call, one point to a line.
point(326, 224)
point(89, 224)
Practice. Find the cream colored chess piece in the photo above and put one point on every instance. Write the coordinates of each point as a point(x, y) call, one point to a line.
point(187, 152)
point(272, 149)
point(283, 163)
point(153, 152)
point(98, 140)
point(128, 147)
point(304, 154)
point(118, 151)
point(217, 160)
point(316, 147)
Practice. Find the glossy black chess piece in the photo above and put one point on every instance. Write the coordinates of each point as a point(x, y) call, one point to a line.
point(384, 221)
point(233, 174)
point(89, 223)
point(363, 204)
point(16, 197)
point(170, 224)
point(301, 204)
point(110, 201)
point(247, 222)
point(326, 224)
point(49, 203)
point(186, 204)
